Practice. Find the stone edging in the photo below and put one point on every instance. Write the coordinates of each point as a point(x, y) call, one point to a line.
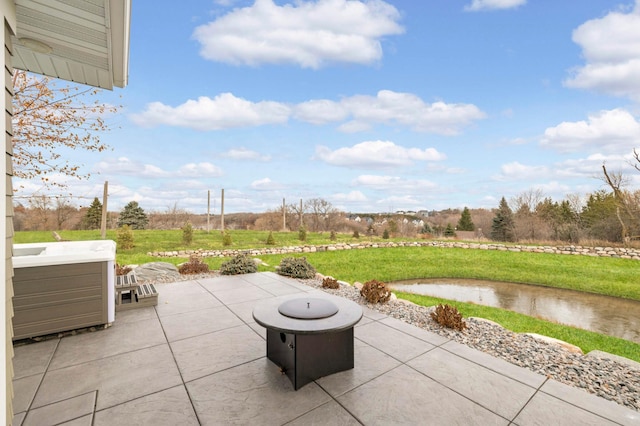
point(617, 252)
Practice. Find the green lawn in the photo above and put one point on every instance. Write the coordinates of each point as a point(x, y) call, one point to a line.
point(601, 275)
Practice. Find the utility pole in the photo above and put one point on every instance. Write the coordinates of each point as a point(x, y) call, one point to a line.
point(103, 221)
point(284, 216)
point(208, 208)
point(222, 210)
point(301, 222)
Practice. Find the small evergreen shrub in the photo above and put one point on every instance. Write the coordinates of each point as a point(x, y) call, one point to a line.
point(270, 240)
point(226, 239)
point(195, 265)
point(187, 234)
point(124, 238)
point(356, 234)
point(302, 234)
point(332, 236)
point(385, 234)
point(296, 267)
point(375, 291)
point(328, 282)
point(240, 264)
point(448, 316)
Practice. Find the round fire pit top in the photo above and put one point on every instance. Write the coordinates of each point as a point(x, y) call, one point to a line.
point(268, 313)
point(308, 308)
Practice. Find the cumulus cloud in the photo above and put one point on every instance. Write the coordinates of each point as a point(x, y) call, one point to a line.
point(222, 112)
point(376, 154)
point(358, 113)
point(477, 5)
point(265, 184)
point(125, 167)
point(611, 48)
point(609, 131)
point(243, 154)
point(309, 34)
point(392, 182)
point(391, 108)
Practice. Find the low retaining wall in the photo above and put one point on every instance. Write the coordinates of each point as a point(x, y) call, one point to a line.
point(619, 252)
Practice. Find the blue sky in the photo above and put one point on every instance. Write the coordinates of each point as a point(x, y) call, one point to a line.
point(373, 106)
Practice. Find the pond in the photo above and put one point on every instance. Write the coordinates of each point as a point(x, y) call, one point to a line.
point(604, 314)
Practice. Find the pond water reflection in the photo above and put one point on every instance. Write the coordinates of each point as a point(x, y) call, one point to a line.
point(608, 315)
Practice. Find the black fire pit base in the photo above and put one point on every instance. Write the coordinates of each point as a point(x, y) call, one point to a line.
point(307, 357)
point(309, 337)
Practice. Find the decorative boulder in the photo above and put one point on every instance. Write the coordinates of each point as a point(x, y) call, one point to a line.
point(157, 271)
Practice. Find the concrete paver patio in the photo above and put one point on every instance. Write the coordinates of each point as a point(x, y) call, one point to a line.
point(199, 358)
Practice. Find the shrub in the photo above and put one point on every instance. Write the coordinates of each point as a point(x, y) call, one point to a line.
point(328, 282)
point(122, 270)
point(385, 234)
point(332, 236)
point(195, 265)
point(187, 233)
point(296, 267)
point(240, 264)
point(375, 292)
point(448, 316)
point(270, 240)
point(226, 239)
point(356, 234)
point(302, 234)
point(124, 238)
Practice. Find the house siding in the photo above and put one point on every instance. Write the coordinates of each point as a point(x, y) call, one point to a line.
point(6, 208)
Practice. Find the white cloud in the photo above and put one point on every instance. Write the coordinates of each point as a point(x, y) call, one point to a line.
point(376, 154)
point(243, 154)
point(392, 182)
point(123, 166)
point(591, 166)
point(609, 131)
point(353, 196)
point(222, 112)
point(321, 111)
point(396, 108)
point(477, 5)
point(265, 184)
point(199, 170)
point(363, 111)
point(309, 34)
point(611, 48)
point(518, 171)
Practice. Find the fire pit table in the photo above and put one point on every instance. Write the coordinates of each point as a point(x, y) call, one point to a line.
point(309, 337)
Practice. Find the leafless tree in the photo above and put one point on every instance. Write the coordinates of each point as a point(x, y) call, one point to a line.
point(626, 210)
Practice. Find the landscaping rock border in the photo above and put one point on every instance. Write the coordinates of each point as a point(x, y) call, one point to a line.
point(617, 252)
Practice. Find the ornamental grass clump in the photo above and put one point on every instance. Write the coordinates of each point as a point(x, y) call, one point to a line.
point(240, 264)
point(328, 282)
point(375, 291)
point(195, 265)
point(296, 267)
point(449, 316)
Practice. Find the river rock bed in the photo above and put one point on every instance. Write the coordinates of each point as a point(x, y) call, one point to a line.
point(606, 378)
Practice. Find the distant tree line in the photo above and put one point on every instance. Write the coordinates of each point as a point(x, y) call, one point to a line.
point(604, 215)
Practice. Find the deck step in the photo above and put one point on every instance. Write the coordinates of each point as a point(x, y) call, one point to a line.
point(131, 295)
point(126, 282)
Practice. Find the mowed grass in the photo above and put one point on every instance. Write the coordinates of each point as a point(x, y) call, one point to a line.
point(608, 276)
point(600, 275)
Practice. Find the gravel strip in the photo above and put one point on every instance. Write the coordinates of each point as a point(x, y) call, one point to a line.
point(606, 378)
